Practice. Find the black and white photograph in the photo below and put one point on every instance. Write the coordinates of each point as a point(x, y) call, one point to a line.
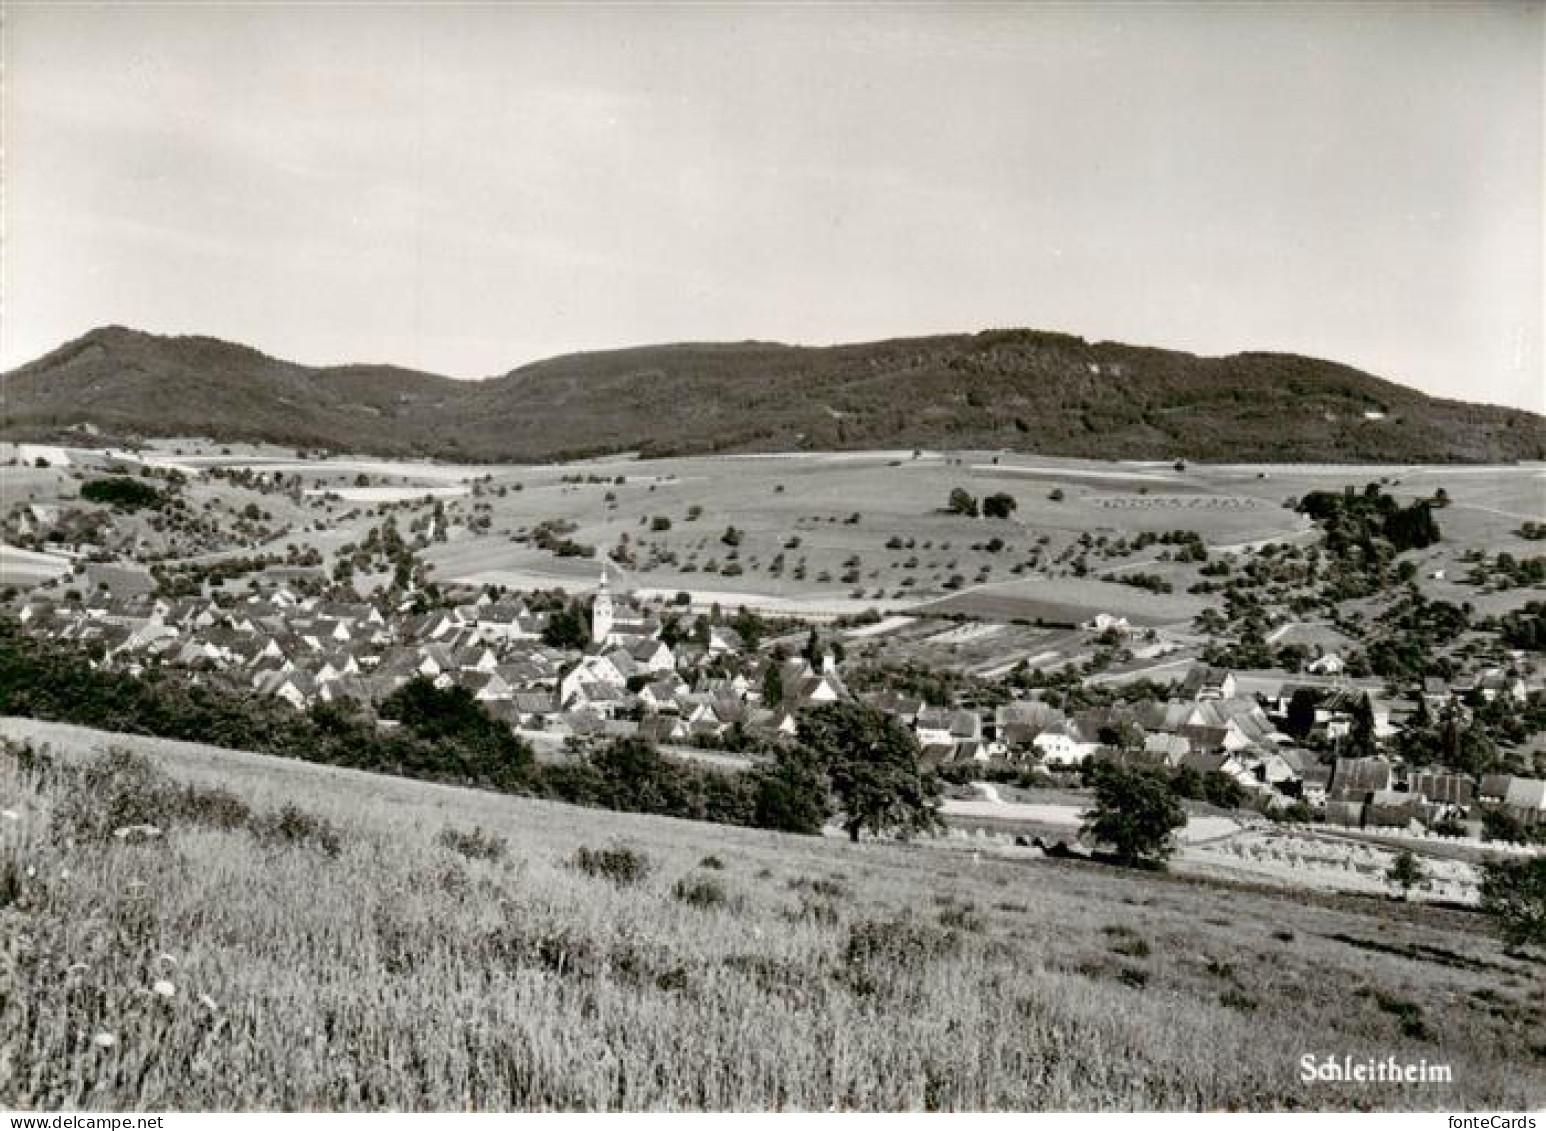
point(772, 557)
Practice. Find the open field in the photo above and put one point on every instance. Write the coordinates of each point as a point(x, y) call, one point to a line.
point(829, 529)
point(242, 968)
point(28, 567)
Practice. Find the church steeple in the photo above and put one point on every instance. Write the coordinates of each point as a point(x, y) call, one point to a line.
point(602, 613)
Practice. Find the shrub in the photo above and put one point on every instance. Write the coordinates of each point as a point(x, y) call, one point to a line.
point(811, 910)
point(713, 862)
point(114, 791)
point(704, 894)
point(1514, 895)
point(827, 889)
point(621, 865)
point(1408, 1014)
point(214, 807)
point(1126, 941)
point(294, 826)
point(964, 917)
point(1238, 999)
point(901, 943)
point(476, 845)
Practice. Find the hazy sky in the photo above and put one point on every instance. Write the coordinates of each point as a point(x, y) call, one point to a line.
point(464, 189)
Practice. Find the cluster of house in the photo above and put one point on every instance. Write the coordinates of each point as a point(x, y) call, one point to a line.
point(629, 681)
point(306, 650)
point(1210, 727)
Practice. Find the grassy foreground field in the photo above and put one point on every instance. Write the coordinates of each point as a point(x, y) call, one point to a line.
point(346, 956)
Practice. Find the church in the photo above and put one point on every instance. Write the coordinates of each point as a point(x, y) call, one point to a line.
point(615, 624)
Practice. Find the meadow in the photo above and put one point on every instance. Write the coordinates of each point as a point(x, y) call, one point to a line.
point(300, 937)
point(821, 532)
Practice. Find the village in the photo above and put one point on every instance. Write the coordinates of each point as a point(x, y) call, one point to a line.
point(567, 677)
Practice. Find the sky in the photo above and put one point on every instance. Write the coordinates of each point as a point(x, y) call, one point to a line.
point(464, 189)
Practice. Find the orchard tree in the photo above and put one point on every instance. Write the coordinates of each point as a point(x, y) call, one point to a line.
point(961, 501)
point(999, 505)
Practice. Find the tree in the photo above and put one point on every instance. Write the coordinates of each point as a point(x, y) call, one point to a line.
point(1405, 872)
point(566, 628)
point(1300, 720)
point(1218, 788)
point(999, 505)
point(1361, 742)
point(1135, 813)
point(812, 649)
point(871, 762)
point(792, 797)
point(772, 686)
point(1514, 895)
point(121, 492)
point(961, 501)
point(1501, 826)
point(1121, 736)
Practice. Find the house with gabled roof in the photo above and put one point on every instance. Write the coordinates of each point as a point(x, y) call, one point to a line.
point(653, 655)
point(1357, 778)
point(1205, 682)
point(661, 695)
point(1525, 800)
point(486, 687)
point(1063, 744)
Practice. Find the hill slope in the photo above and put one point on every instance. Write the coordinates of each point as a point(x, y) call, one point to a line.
point(1016, 389)
point(390, 966)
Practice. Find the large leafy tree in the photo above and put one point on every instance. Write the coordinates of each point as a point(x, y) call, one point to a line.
point(792, 796)
point(871, 762)
point(1135, 813)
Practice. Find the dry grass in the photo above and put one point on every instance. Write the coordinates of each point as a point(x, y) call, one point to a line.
point(401, 972)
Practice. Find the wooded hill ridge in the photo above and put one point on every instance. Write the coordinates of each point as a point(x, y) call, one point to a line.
point(1024, 390)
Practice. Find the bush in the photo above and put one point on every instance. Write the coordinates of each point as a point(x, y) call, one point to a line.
point(827, 889)
point(213, 807)
point(1126, 941)
point(116, 790)
point(293, 826)
point(963, 917)
point(900, 943)
point(704, 894)
point(1514, 895)
point(476, 845)
point(619, 864)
